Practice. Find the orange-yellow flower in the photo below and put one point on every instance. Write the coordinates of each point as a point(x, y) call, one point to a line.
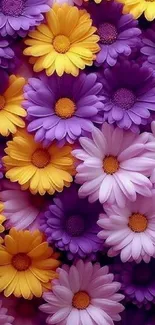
point(66, 43)
point(27, 264)
point(11, 111)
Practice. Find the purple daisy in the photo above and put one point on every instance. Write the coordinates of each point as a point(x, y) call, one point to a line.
point(6, 53)
point(118, 33)
point(148, 46)
point(19, 16)
point(62, 108)
point(129, 94)
point(70, 224)
point(138, 283)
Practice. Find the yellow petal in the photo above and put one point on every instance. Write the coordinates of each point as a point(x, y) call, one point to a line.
point(34, 284)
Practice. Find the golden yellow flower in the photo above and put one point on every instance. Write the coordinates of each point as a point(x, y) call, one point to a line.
point(11, 110)
point(39, 169)
point(66, 43)
point(27, 264)
point(138, 7)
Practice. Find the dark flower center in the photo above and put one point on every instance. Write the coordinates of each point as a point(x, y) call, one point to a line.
point(75, 225)
point(142, 274)
point(12, 7)
point(124, 98)
point(108, 33)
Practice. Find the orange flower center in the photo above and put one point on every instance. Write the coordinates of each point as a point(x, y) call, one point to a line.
point(110, 164)
point(65, 107)
point(138, 222)
point(21, 262)
point(2, 102)
point(61, 44)
point(40, 158)
point(81, 300)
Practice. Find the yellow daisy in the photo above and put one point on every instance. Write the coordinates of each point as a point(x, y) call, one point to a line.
point(2, 219)
point(39, 169)
point(11, 110)
point(27, 264)
point(138, 7)
point(66, 43)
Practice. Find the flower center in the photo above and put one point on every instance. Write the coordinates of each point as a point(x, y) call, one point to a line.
point(21, 262)
point(138, 222)
point(110, 164)
point(40, 158)
point(81, 300)
point(108, 33)
point(2, 102)
point(142, 274)
point(124, 98)
point(12, 7)
point(61, 44)
point(65, 107)
point(75, 225)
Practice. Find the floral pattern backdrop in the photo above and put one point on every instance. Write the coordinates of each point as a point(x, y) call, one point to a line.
point(77, 162)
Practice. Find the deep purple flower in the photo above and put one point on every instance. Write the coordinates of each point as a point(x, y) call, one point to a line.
point(118, 33)
point(138, 283)
point(62, 108)
point(19, 16)
point(6, 53)
point(148, 46)
point(129, 94)
point(70, 224)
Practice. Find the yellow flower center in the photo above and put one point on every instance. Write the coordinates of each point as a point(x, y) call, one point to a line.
point(81, 300)
point(2, 102)
point(110, 164)
point(40, 158)
point(61, 44)
point(65, 107)
point(138, 222)
point(21, 262)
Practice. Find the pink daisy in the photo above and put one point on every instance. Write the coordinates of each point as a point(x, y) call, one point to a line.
point(115, 165)
point(84, 294)
point(130, 231)
point(21, 209)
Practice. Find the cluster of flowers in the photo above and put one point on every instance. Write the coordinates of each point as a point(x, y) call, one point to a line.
point(77, 162)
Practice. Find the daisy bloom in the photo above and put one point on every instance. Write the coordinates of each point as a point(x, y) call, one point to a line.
point(84, 294)
point(18, 16)
point(21, 209)
point(5, 319)
point(36, 168)
point(27, 264)
point(66, 43)
point(129, 94)
point(130, 231)
point(24, 311)
point(119, 33)
point(11, 111)
point(138, 284)
point(6, 53)
point(148, 46)
point(139, 7)
point(114, 165)
point(62, 108)
point(70, 224)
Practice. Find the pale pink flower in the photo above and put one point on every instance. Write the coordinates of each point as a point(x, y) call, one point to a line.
point(84, 294)
point(115, 165)
point(22, 209)
point(5, 319)
point(130, 231)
